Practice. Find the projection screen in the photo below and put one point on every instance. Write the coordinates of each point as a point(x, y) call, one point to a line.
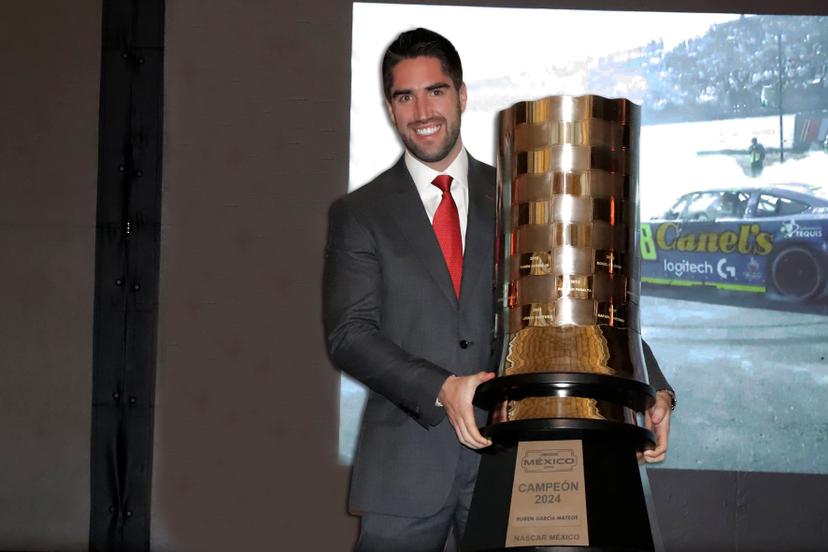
point(734, 260)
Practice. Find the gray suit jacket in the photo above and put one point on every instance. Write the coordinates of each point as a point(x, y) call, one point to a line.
point(394, 323)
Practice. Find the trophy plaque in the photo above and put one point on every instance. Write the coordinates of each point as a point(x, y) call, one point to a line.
point(566, 407)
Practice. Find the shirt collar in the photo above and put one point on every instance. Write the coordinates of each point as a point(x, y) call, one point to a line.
point(423, 175)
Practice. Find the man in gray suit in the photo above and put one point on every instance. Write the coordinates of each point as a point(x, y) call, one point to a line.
point(408, 309)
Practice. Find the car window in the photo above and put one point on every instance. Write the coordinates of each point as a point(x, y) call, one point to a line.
point(718, 204)
point(732, 204)
point(770, 205)
point(678, 208)
point(700, 206)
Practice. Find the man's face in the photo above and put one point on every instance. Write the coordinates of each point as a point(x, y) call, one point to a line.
point(425, 108)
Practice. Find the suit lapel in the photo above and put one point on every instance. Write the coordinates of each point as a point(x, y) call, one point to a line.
point(479, 231)
point(405, 208)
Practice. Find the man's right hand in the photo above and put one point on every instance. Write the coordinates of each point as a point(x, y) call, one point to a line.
point(456, 397)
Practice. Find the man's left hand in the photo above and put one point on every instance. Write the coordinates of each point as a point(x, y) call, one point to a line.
point(657, 419)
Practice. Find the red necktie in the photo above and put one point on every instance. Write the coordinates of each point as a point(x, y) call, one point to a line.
point(446, 224)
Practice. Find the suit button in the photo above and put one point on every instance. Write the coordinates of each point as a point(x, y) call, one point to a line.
point(464, 344)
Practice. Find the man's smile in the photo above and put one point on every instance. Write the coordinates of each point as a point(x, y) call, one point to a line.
point(429, 130)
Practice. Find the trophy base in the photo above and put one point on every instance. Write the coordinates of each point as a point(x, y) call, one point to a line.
point(618, 512)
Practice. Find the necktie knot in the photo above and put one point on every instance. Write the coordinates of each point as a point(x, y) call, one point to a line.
point(442, 181)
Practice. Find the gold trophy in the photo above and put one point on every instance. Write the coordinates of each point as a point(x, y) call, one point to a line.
point(566, 405)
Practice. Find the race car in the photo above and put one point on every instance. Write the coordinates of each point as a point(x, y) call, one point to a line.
point(770, 240)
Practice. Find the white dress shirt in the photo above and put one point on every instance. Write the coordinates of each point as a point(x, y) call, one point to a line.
point(431, 195)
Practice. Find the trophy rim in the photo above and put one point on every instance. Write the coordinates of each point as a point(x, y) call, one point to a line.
point(601, 99)
point(631, 393)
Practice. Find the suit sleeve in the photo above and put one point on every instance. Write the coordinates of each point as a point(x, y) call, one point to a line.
point(654, 374)
point(352, 307)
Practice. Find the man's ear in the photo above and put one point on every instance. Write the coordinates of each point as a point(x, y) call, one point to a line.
point(390, 112)
point(462, 93)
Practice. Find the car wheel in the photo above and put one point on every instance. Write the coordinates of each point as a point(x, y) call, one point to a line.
point(797, 273)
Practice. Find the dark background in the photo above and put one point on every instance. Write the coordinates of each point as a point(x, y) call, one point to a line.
point(256, 137)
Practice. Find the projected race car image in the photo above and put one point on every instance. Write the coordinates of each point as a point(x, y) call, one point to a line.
point(771, 240)
point(733, 198)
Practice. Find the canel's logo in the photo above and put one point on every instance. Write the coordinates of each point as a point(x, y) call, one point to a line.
point(549, 460)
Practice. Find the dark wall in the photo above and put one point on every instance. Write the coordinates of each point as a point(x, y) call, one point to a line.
point(256, 147)
point(50, 64)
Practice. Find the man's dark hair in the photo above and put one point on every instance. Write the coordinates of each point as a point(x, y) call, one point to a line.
point(416, 43)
